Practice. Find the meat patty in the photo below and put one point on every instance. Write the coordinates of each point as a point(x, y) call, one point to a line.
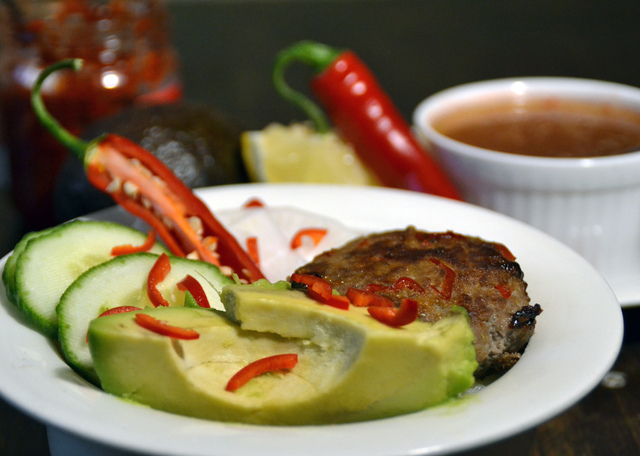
point(447, 269)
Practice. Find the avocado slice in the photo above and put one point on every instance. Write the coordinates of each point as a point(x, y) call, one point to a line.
point(350, 368)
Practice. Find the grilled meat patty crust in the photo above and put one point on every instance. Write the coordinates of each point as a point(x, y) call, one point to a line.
point(447, 269)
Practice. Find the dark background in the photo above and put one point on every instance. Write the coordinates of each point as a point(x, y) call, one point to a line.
point(415, 47)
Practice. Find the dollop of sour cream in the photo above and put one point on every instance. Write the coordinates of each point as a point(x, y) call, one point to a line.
point(275, 227)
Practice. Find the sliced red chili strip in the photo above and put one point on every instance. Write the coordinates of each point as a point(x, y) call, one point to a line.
point(316, 235)
point(339, 302)
point(396, 316)
point(118, 310)
point(254, 202)
point(362, 298)
point(194, 287)
point(252, 249)
point(128, 248)
point(504, 291)
point(446, 289)
point(157, 274)
point(407, 282)
point(261, 366)
point(164, 329)
point(321, 291)
point(504, 250)
point(306, 279)
point(376, 287)
point(400, 284)
point(114, 311)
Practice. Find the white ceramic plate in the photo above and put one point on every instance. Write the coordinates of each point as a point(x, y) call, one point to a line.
point(627, 287)
point(577, 339)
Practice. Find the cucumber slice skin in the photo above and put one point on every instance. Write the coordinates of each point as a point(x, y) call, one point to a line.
point(50, 262)
point(9, 271)
point(119, 282)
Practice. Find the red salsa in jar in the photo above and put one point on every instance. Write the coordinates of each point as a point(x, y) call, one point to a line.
point(128, 59)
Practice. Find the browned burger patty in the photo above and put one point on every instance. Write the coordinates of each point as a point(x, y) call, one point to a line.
point(450, 269)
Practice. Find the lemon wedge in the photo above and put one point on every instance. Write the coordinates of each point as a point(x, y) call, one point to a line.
point(296, 153)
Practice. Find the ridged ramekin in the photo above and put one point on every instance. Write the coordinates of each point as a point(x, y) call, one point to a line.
point(590, 204)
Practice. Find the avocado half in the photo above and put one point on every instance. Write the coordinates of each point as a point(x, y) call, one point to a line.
point(198, 143)
point(351, 367)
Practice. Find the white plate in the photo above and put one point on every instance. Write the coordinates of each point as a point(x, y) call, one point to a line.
point(627, 287)
point(577, 339)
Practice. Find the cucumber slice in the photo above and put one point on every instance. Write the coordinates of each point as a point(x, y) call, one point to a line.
point(9, 272)
point(122, 281)
point(51, 261)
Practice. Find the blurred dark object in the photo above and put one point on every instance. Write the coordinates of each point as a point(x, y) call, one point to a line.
point(128, 58)
point(197, 142)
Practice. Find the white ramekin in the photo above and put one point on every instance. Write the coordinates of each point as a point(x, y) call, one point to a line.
point(591, 204)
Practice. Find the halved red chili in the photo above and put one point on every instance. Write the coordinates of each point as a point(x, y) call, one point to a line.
point(143, 185)
point(157, 274)
point(261, 366)
point(190, 284)
point(164, 329)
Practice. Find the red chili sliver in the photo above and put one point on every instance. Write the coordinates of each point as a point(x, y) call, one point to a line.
point(252, 249)
point(128, 248)
point(118, 310)
point(164, 329)
point(316, 234)
point(321, 291)
point(504, 250)
point(446, 289)
point(396, 316)
point(317, 287)
point(364, 298)
point(408, 282)
point(157, 274)
point(193, 286)
point(400, 284)
point(504, 291)
point(253, 202)
point(339, 302)
point(261, 366)
point(114, 311)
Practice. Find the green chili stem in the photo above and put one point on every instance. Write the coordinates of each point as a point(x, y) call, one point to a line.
point(77, 146)
point(316, 55)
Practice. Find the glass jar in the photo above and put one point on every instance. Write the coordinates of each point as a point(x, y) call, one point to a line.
point(128, 58)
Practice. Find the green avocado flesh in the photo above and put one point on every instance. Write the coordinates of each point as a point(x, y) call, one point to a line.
point(350, 366)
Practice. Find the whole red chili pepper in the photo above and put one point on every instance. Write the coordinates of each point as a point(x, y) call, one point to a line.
point(147, 188)
point(365, 116)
